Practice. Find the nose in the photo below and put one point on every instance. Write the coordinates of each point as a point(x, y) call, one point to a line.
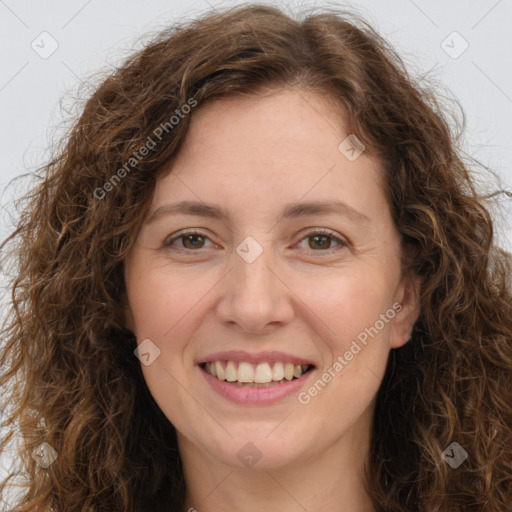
point(254, 298)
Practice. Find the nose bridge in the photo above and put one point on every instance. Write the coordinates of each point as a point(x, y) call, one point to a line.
point(252, 277)
point(253, 297)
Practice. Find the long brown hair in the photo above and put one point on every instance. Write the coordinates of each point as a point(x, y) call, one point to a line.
point(70, 375)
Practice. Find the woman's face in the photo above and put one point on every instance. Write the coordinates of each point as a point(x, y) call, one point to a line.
point(294, 265)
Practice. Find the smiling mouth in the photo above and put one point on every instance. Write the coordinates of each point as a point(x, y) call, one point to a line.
point(260, 375)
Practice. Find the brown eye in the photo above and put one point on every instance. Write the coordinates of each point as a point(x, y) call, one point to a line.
point(192, 241)
point(319, 242)
point(189, 241)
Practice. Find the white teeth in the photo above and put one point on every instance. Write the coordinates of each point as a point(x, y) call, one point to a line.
point(263, 373)
point(231, 373)
point(221, 374)
point(278, 372)
point(288, 371)
point(245, 372)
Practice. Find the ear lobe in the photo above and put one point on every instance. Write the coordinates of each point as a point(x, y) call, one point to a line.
point(409, 297)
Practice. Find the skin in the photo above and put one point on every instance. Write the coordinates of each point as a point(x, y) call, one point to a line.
point(303, 296)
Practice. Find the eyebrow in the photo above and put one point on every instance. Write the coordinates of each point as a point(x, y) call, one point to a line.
point(290, 211)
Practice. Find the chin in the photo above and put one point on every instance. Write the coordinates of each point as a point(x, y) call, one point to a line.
point(258, 447)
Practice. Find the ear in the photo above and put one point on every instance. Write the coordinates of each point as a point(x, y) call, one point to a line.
point(408, 295)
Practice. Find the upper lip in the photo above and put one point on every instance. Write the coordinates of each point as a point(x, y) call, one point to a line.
point(254, 358)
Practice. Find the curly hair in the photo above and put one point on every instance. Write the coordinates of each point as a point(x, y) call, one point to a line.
point(70, 375)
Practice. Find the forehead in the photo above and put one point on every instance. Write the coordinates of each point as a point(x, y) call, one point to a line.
point(262, 151)
point(266, 127)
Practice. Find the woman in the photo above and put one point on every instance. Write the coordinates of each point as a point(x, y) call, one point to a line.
point(259, 277)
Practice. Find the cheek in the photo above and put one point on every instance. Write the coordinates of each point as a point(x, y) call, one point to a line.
point(357, 344)
point(161, 300)
point(347, 303)
point(357, 307)
point(165, 305)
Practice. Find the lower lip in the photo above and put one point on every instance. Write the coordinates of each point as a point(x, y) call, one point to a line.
point(258, 396)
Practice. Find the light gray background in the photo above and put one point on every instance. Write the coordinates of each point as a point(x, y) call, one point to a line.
point(94, 35)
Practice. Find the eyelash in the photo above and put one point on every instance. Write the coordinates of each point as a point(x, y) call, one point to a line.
point(320, 231)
